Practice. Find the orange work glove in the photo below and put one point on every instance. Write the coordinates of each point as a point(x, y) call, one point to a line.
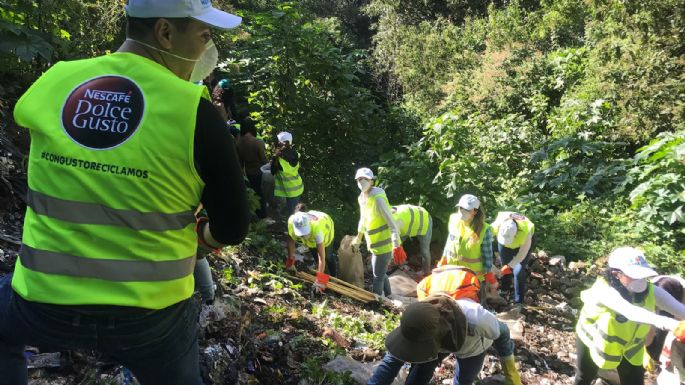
point(506, 270)
point(442, 261)
point(679, 332)
point(398, 255)
point(490, 278)
point(290, 263)
point(321, 281)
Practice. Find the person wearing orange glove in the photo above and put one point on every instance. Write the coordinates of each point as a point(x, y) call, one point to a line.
point(615, 320)
point(469, 243)
point(315, 230)
point(377, 225)
point(515, 240)
point(415, 221)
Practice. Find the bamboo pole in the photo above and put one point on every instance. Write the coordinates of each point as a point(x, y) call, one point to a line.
point(345, 283)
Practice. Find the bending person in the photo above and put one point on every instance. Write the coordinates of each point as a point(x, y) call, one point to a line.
point(515, 240)
point(414, 221)
point(616, 317)
point(378, 227)
point(315, 230)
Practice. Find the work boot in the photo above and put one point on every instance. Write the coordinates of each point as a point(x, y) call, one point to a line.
point(511, 374)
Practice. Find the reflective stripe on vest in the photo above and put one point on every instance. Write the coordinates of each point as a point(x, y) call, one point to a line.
point(524, 224)
point(288, 183)
point(458, 248)
point(414, 220)
point(610, 337)
point(112, 184)
point(322, 223)
point(378, 239)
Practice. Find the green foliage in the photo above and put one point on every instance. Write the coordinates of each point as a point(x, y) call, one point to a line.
point(313, 373)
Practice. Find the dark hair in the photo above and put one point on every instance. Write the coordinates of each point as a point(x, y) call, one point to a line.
point(477, 224)
point(672, 287)
point(142, 27)
point(301, 207)
point(625, 293)
point(247, 125)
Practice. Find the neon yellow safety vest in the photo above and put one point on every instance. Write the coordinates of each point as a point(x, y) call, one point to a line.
point(321, 223)
point(458, 248)
point(525, 226)
point(376, 229)
point(287, 183)
point(413, 220)
point(112, 184)
point(610, 336)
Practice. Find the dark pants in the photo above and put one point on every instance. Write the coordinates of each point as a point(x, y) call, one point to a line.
point(517, 280)
point(256, 185)
point(159, 347)
point(465, 370)
point(586, 369)
point(331, 260)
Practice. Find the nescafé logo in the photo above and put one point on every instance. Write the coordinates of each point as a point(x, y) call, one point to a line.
point(103, 112)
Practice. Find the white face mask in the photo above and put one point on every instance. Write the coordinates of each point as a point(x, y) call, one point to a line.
point(206, 64)
point(363, 184)
point(203, 66)
point(637, 285)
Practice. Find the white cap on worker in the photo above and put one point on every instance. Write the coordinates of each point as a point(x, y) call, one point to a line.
point(631, 262)
point(468, 202)
point(200, 10)
point(285, 137)
point(364, 172)
point(507, 232)
point(301, 226)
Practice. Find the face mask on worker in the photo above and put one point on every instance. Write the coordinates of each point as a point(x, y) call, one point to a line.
point(465, 215)
point(637, 285)
point(203, 66)
point(364, 184)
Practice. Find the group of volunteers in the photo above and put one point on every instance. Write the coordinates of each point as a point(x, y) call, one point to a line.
point(618, 314)
point(107, 260)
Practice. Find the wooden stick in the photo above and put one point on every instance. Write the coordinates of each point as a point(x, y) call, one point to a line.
point(351, 286)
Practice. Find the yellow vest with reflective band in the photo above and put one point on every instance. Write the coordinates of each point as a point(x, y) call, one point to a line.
point(458, 248)
point(287, 183)
point(112, 184)
point(377, 231)
point(414, 220)
point(610, 336)
point(525, 226)
point(323, 223)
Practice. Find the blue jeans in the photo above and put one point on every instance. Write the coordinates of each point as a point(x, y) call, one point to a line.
point(518, 279)
point(465, 370)
point(290, 204)
point(158, 346)
point(503, 345)
point(379, 265)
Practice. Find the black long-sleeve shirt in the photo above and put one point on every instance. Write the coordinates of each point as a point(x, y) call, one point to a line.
point(216, 160)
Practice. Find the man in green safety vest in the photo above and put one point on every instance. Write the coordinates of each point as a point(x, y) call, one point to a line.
point(123, 148)
point(414, 221)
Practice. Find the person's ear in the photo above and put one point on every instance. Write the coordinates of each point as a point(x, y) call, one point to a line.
point(162, 32)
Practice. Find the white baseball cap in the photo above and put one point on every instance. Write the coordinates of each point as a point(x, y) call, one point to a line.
point(468, 202)
point(301, 225)
point(364, 172)
point(200, 10)
point(507, 232)
point(285, 137)
point(631, 262)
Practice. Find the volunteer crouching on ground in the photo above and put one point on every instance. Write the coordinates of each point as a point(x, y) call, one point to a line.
point(315, 230)
point(432, 329)
point(515, 240)
point(379, 228)
point(616, 316)
point(414, 221)
point(462, 284)
point(469, 242)
point(285, 167)
point(116, 168)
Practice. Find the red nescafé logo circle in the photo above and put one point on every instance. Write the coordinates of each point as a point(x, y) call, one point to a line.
point(103, 112)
